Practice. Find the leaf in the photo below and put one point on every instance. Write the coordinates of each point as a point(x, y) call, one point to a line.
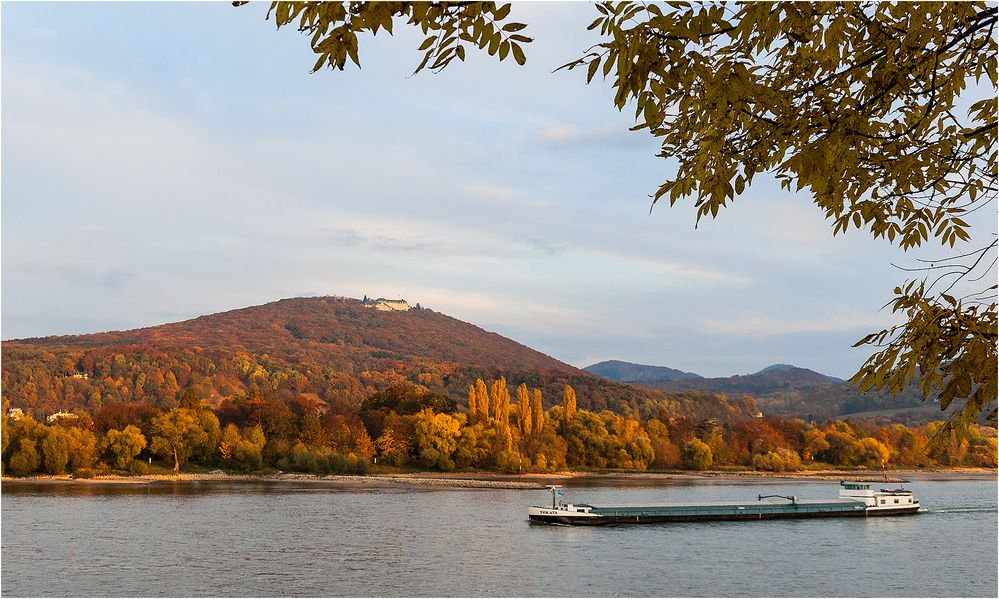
point(518, 54)
point(502, 12)
point(592, 69)
point(427, 43)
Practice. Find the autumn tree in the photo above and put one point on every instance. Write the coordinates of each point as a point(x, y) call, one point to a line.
point(862, 106)
point(779, 460)
point(665, 452)
point(82, 448)
point(121, 446)
point(569, 403)
point(499, 400)
point(475, 445)
point(25, 459)
point(473, 403)
point(396, 442)
point(696, 455)
point(55, 450)
point(178, 434)
point(437, 438)
point(242, 450)
point(537, 411)
point(524, 412)
point(481, 398)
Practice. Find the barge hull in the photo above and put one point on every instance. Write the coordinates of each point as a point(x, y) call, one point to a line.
point(695, 515)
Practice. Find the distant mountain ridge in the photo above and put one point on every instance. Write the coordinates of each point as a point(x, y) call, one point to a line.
point(626, 372)
point(784, 390)
point(775, 375)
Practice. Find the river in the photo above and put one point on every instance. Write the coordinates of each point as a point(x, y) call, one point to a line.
point(308, 539)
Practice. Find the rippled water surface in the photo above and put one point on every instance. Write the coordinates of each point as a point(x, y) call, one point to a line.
point(288, 539)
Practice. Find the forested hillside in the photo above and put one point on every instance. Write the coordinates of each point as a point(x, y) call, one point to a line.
point(330, 350)
point(331, 385)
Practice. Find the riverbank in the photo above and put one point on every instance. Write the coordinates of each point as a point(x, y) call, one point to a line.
point(489, 480)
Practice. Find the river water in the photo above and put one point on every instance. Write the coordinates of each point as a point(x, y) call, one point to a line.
point(308, 539)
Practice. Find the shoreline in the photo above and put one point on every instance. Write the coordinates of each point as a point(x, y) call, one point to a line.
point(491, 480)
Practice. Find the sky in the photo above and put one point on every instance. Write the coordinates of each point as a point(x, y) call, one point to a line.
point(164, 161)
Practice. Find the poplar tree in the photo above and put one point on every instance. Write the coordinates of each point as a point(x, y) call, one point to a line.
point(481, 399)
point(524, 410)
point(500, 399)
point(537, 407)
point(569, 403)
point(473, 407)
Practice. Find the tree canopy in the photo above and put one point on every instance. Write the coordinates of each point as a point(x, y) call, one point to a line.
point(862, 106)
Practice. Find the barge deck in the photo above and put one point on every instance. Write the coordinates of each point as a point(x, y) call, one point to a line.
point(856, 500)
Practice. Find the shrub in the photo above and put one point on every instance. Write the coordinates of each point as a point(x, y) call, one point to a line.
point(779, 460)
point(696, 455)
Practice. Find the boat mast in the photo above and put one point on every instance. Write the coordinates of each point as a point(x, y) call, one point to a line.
point(556, 491)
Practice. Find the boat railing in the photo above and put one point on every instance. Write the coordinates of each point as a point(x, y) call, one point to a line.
point(792, 498)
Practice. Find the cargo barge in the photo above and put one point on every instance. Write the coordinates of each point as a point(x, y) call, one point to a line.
point(856, 499)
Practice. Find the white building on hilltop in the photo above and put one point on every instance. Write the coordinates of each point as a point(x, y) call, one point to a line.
point(387, 305)
point(63, 415)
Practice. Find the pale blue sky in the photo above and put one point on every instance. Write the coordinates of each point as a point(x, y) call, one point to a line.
point(163, 161)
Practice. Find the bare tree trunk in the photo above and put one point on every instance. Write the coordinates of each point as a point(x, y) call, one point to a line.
point(176, 460)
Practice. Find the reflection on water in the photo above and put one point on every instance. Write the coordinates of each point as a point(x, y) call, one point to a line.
point(288, 539)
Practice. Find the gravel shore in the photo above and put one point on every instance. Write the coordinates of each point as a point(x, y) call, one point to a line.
point(487, 480)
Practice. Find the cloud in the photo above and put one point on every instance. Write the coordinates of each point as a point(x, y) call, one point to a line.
point(136, 193)
point(761, 325)
point(614, 134)
point(77, 274)
point(546, 247)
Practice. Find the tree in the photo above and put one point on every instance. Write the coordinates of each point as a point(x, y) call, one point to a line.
point(26, 459)
point(499, 400)
point(696, 455)
point(243, 451)
point(537, 411)
point(779, 460)
point(482, 399)
point(473, 404)
point(665, 453)
point(569, 403)
point(55, 450)
point(178, 435)
point(454, 26)
point(121, 446)
point(437, 438)
point(524, 412)
point(815, 443)
point(856, 104)
point(82, 448)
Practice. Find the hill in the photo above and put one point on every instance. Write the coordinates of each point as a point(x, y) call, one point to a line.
point(331, 350)
point(626, 372)
point(792, 392)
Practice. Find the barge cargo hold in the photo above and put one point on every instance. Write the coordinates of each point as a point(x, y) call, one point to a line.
point(855, 500)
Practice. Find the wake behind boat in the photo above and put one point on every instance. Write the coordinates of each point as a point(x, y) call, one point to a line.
point(856, 499)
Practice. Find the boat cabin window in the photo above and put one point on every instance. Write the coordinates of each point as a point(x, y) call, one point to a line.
point(896, 501)
point(856, 487)
point(882, 502)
